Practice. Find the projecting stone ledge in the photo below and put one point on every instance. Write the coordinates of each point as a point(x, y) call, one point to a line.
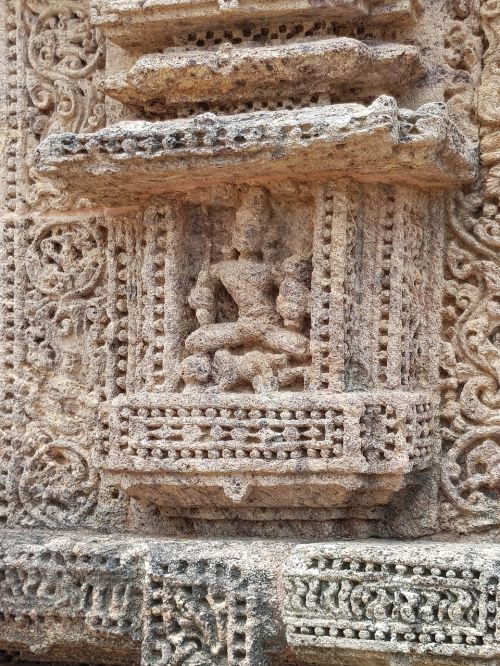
point(139, 22)
point(274, 456)
point(133, 600)
point(297, 69)
point(379, 142)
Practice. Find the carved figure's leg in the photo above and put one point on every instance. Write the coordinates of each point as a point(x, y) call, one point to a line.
point(287, 342)
point(261, 370)
point(216, 336)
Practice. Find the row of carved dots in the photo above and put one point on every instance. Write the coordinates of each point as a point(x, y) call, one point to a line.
point(415, 347)
point(406, 299)
point(271, 103)
point(385, 292)
point(189, 138)
point(492, 606)
point(8, 237)
point(437, 637)
point(12, 117)
point(8, 334)
point(348, 283)
point(239, 636)
point(393, 568)
point(323, 343)
point(121, 308)
point(212, 412)
point(330, 451)
point(159, 305)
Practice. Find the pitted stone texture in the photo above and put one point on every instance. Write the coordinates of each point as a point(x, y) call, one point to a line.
point(199, 300)
point(242, 405)
point(175, 78)
point(60, 594)
point(270, 457)
point(133, 22)
point(470, 359)
point(380, 140)
point(222, 317)
point(375, 601)
point(78, 597)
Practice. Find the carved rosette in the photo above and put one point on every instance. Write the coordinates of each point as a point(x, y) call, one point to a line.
point(56, 486)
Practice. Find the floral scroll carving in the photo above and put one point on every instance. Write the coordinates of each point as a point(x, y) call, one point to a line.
point(471, 350)
point(64, 335)
point(64, 53)
point(64, 262)
point(463, 51)
point(471, 365)
point(62, 41)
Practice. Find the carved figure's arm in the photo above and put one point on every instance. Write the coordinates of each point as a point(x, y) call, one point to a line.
point(294, 297)
point(202, 297)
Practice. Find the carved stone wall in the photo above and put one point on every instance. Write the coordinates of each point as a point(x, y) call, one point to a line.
point(249, 301)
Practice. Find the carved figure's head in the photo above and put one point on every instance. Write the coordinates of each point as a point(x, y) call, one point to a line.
point(251, 218)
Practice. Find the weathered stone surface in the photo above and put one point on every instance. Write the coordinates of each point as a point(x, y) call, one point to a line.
point(360, 600)
point(332, 141)
point(249, 287)
point(129, 600)
point(134, 22)
point(176, 78)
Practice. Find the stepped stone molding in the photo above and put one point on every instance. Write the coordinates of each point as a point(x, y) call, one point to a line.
point(295, 426)
point(176, 78)
point(380, 140)
point(345, 600)
point(270, 457)
point(134, 22)
point(249, 332)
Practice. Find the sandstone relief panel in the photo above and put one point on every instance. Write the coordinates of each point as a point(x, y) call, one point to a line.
point(249, 287)
point(470, 389)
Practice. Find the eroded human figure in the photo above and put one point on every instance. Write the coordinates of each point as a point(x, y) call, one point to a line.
point(272, 305)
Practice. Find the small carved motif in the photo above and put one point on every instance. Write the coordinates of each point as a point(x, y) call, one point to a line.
point(62, 42)
point(64, 53)
point(66, 259)
point(200, 614)
point(57, 485)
